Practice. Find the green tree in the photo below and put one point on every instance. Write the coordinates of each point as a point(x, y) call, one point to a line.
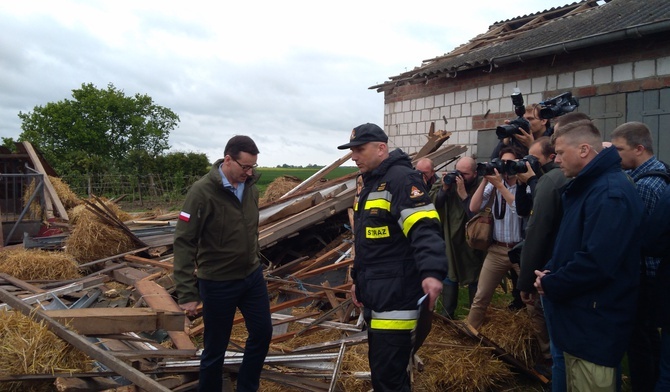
point(99, 131)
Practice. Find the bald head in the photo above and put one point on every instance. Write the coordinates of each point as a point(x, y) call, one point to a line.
point(468, 168)
point(425, 166)
point(466, 163)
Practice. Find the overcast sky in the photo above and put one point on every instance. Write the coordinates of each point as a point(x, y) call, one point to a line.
point(294, 75)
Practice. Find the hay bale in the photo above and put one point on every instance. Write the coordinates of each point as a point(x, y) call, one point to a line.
point(65, 194)
point(37, 264)
point(278, 188)
point(28, 347)
point(93, 240)
point(76, 212)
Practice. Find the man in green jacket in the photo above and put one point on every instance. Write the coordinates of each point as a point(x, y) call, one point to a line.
point(216, 261)
point(451, 196)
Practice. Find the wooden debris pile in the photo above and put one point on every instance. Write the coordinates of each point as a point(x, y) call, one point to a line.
point(99, 304)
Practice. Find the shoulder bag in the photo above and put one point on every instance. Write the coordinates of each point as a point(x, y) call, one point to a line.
point(479, 229)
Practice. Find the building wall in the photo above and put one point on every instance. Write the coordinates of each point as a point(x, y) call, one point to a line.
point(479, 100)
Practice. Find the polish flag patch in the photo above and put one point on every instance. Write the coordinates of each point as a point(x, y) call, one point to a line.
point(185, 216)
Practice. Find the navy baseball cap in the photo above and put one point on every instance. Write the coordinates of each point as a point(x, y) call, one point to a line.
point(365, 133)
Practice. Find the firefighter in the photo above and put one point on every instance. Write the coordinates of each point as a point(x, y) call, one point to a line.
point(399, 254)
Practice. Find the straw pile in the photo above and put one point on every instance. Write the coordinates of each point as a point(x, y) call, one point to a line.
point(514, 332)
point(68, 198)
point(76, 212)
point(65, 194)
point(91, 239)
point(35, 209)
point(451, 361)
point(28, 347)
point(37, 264)
point(278, 188)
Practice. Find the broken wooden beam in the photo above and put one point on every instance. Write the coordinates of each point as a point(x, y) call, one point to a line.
point(102, 321)
point(157, 298)
point(82, 344)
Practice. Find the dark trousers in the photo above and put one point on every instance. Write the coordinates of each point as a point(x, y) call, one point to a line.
point(644, 350)
point(389, 354)
point(450, 296)
point(220, 300)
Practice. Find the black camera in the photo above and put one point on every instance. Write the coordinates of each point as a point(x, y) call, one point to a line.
point(514, 167)
point(511, 129)
point(558, 105)
point(450, 177)
point(487, 168)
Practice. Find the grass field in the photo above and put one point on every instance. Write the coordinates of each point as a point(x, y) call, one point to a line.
point(269, 174)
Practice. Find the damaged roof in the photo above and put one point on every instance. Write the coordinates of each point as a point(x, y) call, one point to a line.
point(562, 29)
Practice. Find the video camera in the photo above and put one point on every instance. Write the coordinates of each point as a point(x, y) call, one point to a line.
point(511, 129)
point(558, 105)
point(508, 167)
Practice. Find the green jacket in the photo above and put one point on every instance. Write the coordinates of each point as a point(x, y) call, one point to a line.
point(216, 237)
point(465, 263)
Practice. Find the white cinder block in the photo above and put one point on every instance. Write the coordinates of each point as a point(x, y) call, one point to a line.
point(622, 72)
point(602, 75)
point(584, 78)
point(644, 69)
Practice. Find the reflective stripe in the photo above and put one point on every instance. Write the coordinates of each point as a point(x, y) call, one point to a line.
point(396, 314)
point(381, 200)
point(398, 325)
point(394, 320)
point(356, 206)
point(409, 216)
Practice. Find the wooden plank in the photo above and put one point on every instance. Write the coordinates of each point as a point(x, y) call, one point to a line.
point(314, 178)
point(273, 233)
point(157, 298)
point(325, 257)
point(83, 345)
point(110, 258)
point(128, 275)
point(435, 140)
point(334, 301)
point(50, 191)
point(85, 384)
point(21, 284)
point(293, 208)
point(99, 321)
point(145, 261)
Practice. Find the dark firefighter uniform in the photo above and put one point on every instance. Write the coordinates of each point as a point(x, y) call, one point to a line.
point(398, 244)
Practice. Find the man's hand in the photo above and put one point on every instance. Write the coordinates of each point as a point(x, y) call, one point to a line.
point(524, 177)
point(190, 308)
point(524, 137)
point(528, 298)
point(460, 188)
point(538, 280)
point(433, 288)
point(353, 296)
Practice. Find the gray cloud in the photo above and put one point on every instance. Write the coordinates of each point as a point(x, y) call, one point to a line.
point(290, 75)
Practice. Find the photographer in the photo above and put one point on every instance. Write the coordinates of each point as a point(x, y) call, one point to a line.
point(451, 196)
point(506, 232)
point(425, 167)
point(518, 137)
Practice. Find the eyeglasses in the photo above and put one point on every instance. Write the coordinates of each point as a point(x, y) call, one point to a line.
point(245, 167)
